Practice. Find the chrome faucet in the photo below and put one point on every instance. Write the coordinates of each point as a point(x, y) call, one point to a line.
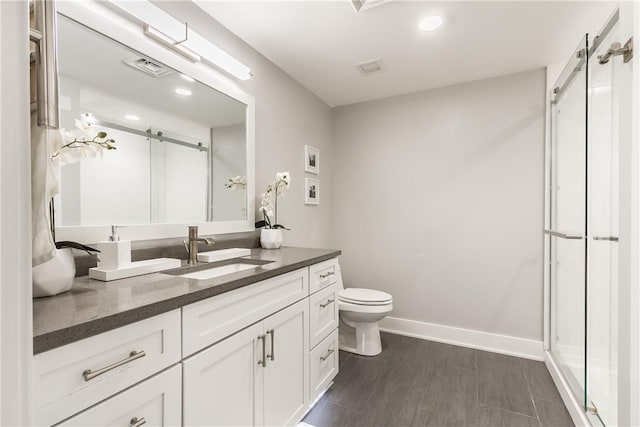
point(192, 244)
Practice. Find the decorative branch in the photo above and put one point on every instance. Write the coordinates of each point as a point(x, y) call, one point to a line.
point(107, 144)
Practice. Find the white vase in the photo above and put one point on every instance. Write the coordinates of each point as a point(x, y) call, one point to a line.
point(271, 238)
point(54, 276)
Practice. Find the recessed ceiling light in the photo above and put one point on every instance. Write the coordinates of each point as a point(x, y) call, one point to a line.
point(131, 117)
point(182, 91)
point(187, 78)
point(430, 23)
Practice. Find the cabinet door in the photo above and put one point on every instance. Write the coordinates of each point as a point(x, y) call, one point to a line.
point(154, 402)
point(286, 375)
point(221, 383)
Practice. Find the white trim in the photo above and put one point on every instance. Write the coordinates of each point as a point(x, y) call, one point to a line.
point(574, 407)
point(16, 351)
point(629, 228)
point(105, 20)
point(496, 343)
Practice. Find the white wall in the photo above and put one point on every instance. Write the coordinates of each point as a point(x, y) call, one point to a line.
point(442, 191)
point(15, 224)
point(288, 116)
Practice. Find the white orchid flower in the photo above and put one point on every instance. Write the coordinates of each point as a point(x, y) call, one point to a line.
point(265, 205)
point(237, 182)
point(85, 142)
point(283, 179)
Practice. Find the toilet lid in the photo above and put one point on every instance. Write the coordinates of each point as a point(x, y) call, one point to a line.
point(364, 296)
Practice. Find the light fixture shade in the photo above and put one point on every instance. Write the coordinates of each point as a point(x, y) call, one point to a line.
point(159, 36)
point(170, 32)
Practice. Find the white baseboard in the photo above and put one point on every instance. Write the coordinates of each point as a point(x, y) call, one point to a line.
point(504, 344)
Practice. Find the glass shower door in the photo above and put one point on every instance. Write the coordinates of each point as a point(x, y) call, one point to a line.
point(568, 221)
point(602, 308)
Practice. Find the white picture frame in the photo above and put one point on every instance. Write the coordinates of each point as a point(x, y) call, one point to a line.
point(311, 191)
point(311, 159)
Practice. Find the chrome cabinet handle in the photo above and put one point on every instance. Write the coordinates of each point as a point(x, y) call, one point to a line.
point(263, 362)
point(324, 276)
point(329, 301)
point(137, 422)
point(563, 235)
point(326, 356)
point(89, 374)
point(272, 355)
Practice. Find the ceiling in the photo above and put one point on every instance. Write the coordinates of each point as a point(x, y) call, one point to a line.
point(319, 42)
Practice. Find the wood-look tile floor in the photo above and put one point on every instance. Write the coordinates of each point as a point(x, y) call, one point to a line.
point(415, 382)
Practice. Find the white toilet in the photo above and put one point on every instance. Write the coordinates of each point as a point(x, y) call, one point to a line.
point(360, 311)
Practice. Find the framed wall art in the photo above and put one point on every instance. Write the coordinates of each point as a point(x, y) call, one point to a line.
point(311, 159)
point(311, 191)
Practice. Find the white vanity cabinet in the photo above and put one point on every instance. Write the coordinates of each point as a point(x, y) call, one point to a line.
point(255, 377)
point(323, 331)
point(258, 355)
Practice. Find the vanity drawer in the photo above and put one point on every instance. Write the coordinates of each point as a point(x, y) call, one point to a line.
point(323, 311)
point(208, 321)
point(323, 274)
point(323, 364)
point(75, 376)
point(154, 402)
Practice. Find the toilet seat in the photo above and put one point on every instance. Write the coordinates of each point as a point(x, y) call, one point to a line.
point(361, 296)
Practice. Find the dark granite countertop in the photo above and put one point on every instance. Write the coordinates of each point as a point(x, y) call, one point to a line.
point(92, 307)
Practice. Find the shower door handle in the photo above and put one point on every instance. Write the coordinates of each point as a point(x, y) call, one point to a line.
point(606, 238)
point(563, 235)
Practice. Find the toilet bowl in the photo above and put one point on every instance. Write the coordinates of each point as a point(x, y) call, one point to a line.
point(360, 310)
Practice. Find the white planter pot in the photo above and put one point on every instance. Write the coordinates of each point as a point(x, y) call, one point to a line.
point(271, 238)
point(54, 276)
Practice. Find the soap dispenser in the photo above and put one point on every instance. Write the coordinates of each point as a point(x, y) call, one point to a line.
point(114, 253)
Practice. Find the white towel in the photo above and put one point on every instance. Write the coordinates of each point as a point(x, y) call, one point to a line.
point(44, 185)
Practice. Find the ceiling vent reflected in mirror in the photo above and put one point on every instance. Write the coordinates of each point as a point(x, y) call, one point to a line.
point(372, 66)
point(362, 5)
point(148, 67)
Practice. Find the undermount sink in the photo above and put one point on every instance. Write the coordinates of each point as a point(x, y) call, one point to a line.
point(210, 273)
point(206, 271)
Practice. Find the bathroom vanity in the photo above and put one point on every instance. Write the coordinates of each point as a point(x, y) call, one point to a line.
point(253, 347)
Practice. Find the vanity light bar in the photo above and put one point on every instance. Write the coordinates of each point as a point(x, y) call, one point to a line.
point(170, 32)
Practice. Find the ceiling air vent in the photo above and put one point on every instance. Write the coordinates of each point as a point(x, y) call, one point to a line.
point(373, 66)
point(148, 67)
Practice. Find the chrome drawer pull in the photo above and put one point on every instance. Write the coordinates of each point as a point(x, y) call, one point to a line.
point(329, 353)
point(263, 362)
point(137, 422)
point(89, 374)
point(272, 356)
point(329, 301)
point(324, 276)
